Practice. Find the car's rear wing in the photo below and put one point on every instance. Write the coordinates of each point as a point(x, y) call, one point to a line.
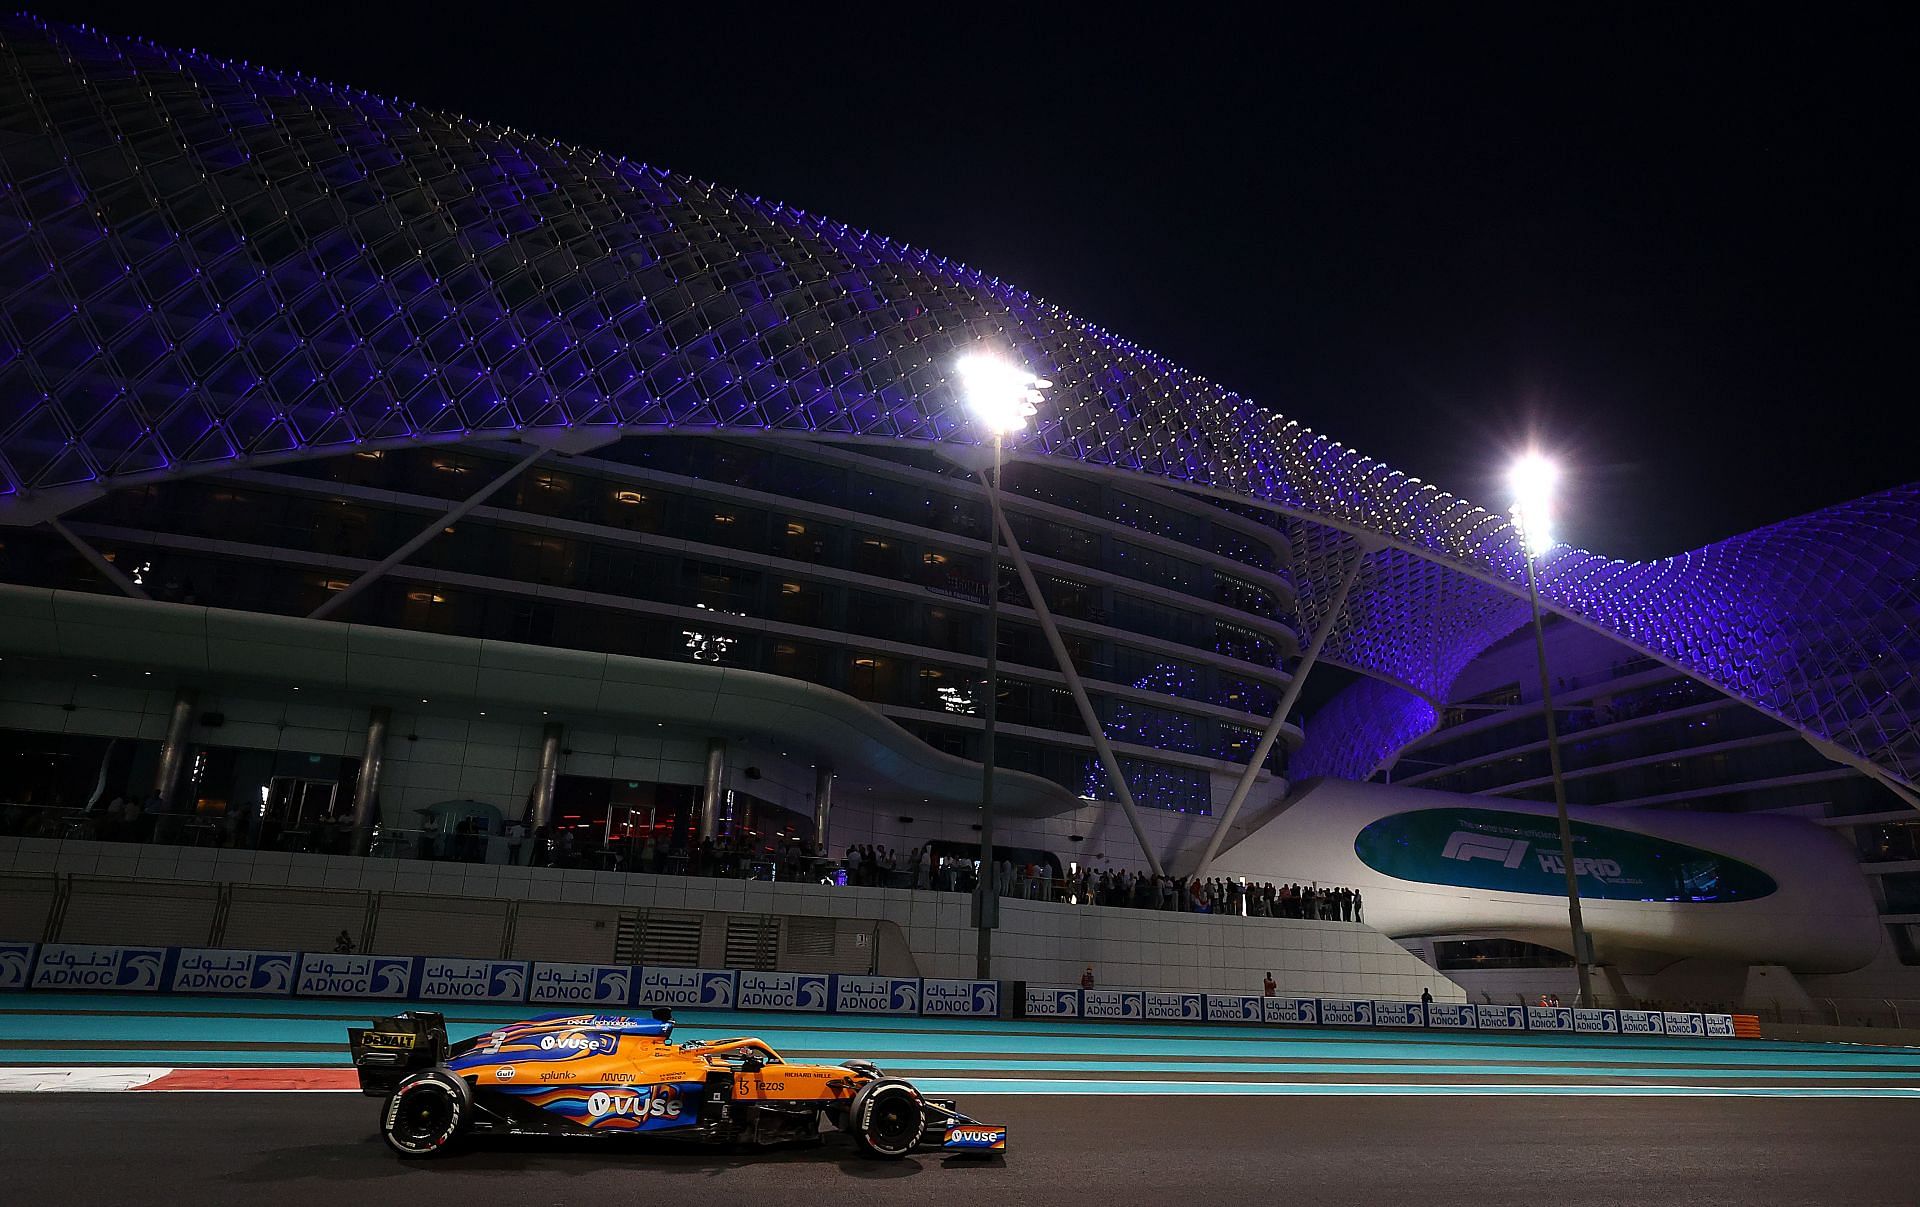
point(396, 1046)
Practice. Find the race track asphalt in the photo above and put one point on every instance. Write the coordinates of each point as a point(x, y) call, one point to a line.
point(320, 1150)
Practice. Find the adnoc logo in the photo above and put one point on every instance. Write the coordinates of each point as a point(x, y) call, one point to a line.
point(85, 966)
point(15, 959)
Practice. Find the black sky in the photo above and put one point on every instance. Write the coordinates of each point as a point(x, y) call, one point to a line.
point(1680, 246)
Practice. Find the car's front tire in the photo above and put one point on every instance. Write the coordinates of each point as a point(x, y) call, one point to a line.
point(427, 1114)
point(887, 1118)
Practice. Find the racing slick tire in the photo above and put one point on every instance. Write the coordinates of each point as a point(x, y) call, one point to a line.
point(427, 1114)
point(887, 1118)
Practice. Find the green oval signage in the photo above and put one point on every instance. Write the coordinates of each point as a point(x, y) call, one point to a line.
point(1520, 853)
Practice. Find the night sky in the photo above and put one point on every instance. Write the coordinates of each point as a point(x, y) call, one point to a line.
point(1679, 248)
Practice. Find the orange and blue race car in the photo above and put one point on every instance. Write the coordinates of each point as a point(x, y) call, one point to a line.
point(606, 1075)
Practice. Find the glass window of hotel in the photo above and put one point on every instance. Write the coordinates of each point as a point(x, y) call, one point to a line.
point(632, 506)
point(879, 495)
point(801, 660)
point(957, 515)
point(948, 689)
point(801, 539)
point(887, 616)
point(1245, 645)
point(1240, 546)
point(620, 570)
point(553, 492)
point(1242, 596)
point(953, 573)
point(954, 629)
point(798, 601)
point(720, 588)
point(1069, 598)
point(710, 522)
point(1887, 843)
point(1168, 522)
point(1160, 569)
point(813, 481)
point(535, 558)
point(878, 554)
point(874, 677)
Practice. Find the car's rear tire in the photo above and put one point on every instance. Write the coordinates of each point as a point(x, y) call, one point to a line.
point(887, 1118)
point(427, 1114)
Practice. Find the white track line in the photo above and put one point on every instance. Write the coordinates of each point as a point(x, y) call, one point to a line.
point(16, 1080)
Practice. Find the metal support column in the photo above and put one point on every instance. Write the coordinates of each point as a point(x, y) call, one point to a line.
point(339, 598)
point(1075, 687)
point(1582, 953)
point(1287, 700)
point(111, 572)
point(366, 790)
point(822, 805)
point(716, 787)
point(540, 807)
point(173, 748)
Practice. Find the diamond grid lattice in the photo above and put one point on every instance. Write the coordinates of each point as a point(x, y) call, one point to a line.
point(204, 264)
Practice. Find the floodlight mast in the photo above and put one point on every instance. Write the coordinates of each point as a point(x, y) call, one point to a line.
point(1001, 396)
point(1533, 479)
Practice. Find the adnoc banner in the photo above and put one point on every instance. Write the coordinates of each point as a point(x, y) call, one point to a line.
point(452, 979)
point(1499, 1018)
point(1047, 1001)
point(1397, 1014)
point(1684, 1023)
point(16, 961)
point(1641, 1022)
point(1168, 1006)
point(963, 998)
point(783, 991)
point(1596, 1022)
point(1720, 1026)
point(217, 970)
point(875, 994)
point(1452, 1014)
point(1113, 1003)
point(1549, 1018)
point(580, 984)
point(1234, 1008)
point(712, 988)
point(1345, 1012)
point(355, 976)
point(87, 966)
point(1304, 1010)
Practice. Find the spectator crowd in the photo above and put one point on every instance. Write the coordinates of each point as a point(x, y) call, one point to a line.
point(923, 868)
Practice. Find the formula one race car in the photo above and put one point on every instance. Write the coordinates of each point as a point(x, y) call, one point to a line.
point(611, 1075)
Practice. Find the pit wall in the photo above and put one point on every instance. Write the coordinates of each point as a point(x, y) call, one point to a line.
point(123, 893)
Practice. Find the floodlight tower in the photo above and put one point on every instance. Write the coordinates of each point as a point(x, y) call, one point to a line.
point(1532, 480)
point(1001, 397)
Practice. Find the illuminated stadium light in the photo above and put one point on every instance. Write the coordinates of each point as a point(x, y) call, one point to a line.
point(1532, 480)
point(1001, 395)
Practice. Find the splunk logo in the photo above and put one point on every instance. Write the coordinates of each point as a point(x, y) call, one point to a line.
point(1467, 846)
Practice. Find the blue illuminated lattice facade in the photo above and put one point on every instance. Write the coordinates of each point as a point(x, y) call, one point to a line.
point(204, 265)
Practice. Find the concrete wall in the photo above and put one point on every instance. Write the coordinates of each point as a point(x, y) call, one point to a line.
point(1039, 942)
